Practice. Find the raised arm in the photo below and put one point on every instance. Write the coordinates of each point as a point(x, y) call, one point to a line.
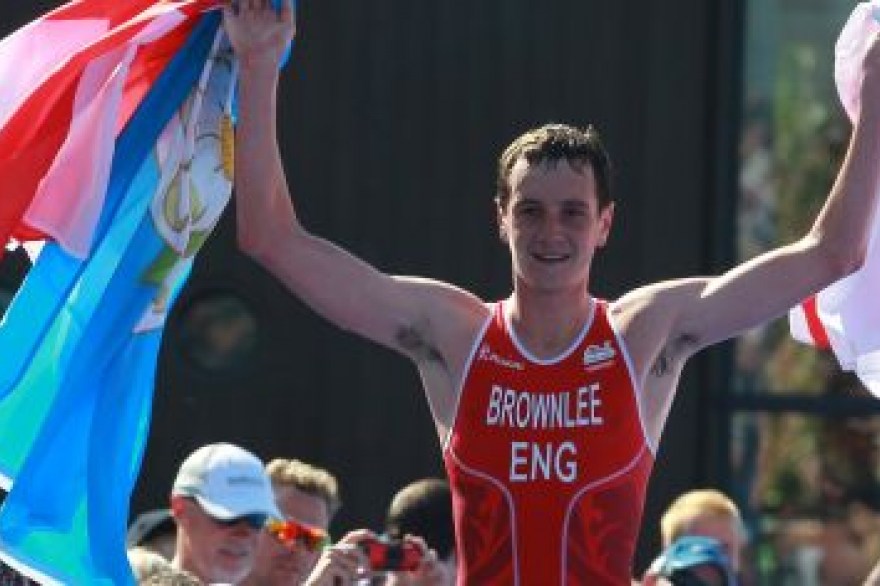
point(680, 317)
point(419, 317)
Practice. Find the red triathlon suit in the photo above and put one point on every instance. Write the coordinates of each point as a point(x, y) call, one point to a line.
point(548, 461)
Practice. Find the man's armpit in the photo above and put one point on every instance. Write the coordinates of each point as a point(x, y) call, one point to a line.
point(673, 352)
point(413, 342)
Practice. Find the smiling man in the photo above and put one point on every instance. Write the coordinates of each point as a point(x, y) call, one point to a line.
point(220, 501)
point(549, 404)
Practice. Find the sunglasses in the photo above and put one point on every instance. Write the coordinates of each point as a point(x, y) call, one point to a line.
point(255, 521)
point(290, 533)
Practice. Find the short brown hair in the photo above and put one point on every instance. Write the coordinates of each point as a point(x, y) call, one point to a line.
point(552, 143)
point(308, 479)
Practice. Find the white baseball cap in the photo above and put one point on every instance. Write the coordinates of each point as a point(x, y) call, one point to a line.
point(227, 481)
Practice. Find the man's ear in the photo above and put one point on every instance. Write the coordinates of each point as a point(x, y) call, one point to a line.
point(178, 504)
point(606, 219)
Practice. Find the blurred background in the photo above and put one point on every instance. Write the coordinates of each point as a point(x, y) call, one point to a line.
point(726, 132)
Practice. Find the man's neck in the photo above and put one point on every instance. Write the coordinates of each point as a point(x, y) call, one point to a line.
point(547, 324)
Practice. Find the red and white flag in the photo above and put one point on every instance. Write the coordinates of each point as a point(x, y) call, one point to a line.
point(89, 64)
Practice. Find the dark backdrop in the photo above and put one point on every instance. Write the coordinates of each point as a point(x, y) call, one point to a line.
point(392, 115)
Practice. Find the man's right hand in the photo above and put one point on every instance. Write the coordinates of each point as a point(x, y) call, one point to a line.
point(259, 33)
point(341, 564)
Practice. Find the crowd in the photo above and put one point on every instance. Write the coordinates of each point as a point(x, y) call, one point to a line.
point(232, 520)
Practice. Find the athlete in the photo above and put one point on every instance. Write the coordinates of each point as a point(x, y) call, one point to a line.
point(550, 403)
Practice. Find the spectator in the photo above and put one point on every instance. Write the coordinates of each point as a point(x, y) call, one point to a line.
point(424, 509)
point(220, 501)
point(708, 513)
point(308, 498)
point(691, 561)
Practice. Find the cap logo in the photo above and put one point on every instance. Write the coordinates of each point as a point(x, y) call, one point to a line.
point(244, 481)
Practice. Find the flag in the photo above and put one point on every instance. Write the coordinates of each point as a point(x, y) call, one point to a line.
point(137, 126)
point(845, 317)
point(89, 64)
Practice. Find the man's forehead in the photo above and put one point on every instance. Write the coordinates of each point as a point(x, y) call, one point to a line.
point(522, 168)
point(533, 179)
point(302, 506)
point(720, 527)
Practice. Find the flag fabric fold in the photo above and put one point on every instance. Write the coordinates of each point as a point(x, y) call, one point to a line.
point(123, 171)
point(845, 317)
point(87, 55)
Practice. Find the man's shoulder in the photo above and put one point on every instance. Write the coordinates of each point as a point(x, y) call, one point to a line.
point(657, 296)
point(648, 318)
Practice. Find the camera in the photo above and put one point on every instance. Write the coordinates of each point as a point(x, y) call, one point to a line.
point(387, 554)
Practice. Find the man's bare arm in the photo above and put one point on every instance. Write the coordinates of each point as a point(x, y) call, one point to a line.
point(419, 317)
point(701, 311)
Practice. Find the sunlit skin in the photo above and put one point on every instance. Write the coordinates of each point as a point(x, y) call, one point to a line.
point(553, 226)
point(215, 553)
point(277, 565)
point(441, 573)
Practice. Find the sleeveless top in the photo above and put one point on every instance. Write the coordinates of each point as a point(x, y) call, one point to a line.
point(548, 460)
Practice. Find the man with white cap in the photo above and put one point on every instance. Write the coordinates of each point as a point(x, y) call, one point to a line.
point(220, 501)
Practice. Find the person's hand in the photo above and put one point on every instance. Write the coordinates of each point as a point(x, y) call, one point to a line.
point(431, 572)
point(259, 34)
point(341, 564)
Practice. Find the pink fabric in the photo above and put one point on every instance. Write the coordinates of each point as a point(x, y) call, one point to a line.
point(43, 45)
point(82, 51)
point(852, 44)
point(69, 198)
point(849, 310)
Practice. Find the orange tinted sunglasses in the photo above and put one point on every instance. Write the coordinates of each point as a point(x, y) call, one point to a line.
point(290, 532)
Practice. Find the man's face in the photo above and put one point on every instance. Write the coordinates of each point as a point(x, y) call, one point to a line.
point(216, 552)
point(553, 224)
point(277, 563)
